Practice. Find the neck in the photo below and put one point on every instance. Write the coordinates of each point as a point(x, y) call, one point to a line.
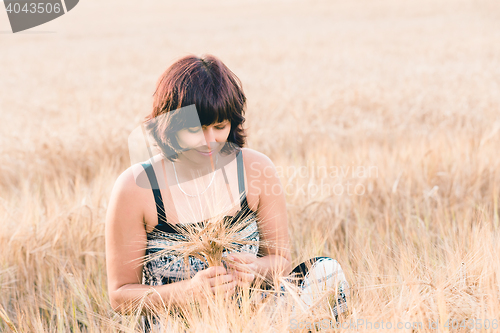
point(190, 169)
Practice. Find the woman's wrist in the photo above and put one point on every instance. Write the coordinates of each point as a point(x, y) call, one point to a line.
point(177, 293)
point(157, 298)
point(271, 268)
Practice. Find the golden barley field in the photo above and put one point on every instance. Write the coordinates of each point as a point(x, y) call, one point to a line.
point(381, 116)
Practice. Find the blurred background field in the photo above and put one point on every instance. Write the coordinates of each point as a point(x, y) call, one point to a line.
point(409, 88)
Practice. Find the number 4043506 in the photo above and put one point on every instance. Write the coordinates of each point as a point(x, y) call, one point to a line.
point(39, 7)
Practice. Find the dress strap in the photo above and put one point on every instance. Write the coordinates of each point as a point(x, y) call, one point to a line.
point(241, 175)
point(160, 208)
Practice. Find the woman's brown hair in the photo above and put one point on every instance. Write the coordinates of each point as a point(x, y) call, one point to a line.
point(208, 84)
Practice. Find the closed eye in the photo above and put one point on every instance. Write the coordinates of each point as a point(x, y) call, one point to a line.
point(194, 129)
point(221, 126)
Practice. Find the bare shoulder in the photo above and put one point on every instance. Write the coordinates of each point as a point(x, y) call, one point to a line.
point(126, 206)
point(130, 179)
point(257, 163)
point(129, 187)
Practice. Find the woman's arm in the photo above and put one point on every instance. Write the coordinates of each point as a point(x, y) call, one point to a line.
point(125, 249)
point(262, 179)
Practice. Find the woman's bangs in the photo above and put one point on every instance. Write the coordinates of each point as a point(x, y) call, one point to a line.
point(211, 108)
point(210, 114)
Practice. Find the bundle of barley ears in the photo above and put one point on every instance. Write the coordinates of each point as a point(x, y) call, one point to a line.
point(210, 241)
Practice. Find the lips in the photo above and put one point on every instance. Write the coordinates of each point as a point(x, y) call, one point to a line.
point(205, 153)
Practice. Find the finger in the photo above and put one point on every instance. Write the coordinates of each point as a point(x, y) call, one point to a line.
point(243, 276)
point(215, 271)
point(224, 288)
point(242, 257)
point(243, 268)
point(236, 263)
point(245, 281)
point(233, 266)
point(237, 272)
point(221, 279)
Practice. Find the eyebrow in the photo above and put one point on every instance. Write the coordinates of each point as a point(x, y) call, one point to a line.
point(215, 124)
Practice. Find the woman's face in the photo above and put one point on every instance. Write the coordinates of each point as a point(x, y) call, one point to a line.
point(203, 142)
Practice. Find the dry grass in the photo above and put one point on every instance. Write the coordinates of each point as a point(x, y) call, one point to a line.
point(408, 88)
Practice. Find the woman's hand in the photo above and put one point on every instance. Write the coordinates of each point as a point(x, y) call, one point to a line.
point(214, 279)
point(265, 271)
point(244, 267)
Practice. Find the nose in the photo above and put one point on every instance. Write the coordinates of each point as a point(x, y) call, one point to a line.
point(209, 136)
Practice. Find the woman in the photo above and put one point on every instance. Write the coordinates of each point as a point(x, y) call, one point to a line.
point(196, 121)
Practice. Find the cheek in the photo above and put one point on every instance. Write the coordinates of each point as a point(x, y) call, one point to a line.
point(223, 135)
point(188, 140)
